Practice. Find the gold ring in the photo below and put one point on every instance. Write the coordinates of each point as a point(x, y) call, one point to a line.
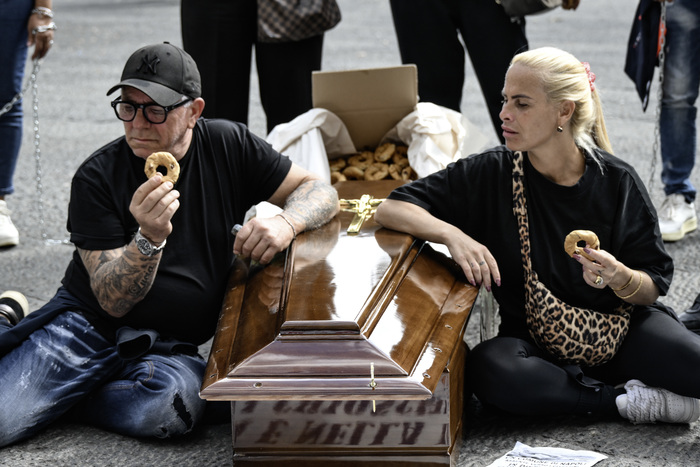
point(598, 280)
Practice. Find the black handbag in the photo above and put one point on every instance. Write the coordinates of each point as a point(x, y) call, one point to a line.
point(528, 7)
point(573, 335)
point(294, 20)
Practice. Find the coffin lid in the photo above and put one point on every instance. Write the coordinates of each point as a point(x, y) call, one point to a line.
point(336, 308)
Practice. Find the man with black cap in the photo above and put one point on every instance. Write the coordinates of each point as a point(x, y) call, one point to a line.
point(117, 344)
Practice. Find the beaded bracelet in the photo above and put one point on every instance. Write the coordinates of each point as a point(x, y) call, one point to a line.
point(641, 280)
point(294, 231)
point(43, 11)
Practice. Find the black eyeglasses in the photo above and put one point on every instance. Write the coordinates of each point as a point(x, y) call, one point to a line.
point(154, 113)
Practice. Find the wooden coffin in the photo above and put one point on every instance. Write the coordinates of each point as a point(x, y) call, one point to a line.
point(347, 350)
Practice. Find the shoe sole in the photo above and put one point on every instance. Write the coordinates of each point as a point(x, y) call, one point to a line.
point(695, 415)
point(19, 298)
point(9, 241)
point(687, 227)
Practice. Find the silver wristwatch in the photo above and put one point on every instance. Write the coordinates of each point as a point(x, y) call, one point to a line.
point(145, 246)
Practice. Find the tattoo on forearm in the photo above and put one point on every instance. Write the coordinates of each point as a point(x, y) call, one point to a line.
point(119, 278)
point(312, 204)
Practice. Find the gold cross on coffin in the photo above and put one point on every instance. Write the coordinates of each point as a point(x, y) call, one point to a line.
point(363, 209)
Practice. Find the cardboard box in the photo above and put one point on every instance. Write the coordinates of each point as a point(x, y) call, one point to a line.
point(369, 101)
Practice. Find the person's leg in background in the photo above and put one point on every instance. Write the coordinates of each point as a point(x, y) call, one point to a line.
point(426, 31)
point(492, 39)
point(13, 57)
point(678, 131)
point(284, 74)
point(219, 35)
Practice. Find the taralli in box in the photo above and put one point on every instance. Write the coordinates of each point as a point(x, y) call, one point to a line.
point(388, 161)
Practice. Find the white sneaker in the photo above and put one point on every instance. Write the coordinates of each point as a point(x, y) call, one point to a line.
point(642, 404)
point(676, 218)
point(9, 236)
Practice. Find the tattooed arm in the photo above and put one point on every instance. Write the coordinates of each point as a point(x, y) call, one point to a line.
point(308, 203)
point(120, 278)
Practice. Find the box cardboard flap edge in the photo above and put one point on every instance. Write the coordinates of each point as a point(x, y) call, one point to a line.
point(369, 101)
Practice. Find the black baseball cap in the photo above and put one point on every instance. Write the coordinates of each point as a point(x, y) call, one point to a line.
point(163, 72)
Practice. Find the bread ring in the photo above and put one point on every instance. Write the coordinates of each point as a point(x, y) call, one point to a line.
point(362, 160)
point(395, 171)
point(337, 164)
point(337, 177)
point(354, 173)
point(377, 171)
point(400, 159)
point(407, 173)
point(384, 152)
point(163, 159)
point(571, 243)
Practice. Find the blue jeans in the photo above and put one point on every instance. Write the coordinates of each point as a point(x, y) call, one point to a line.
point(68, 365)
point(14, 15)
point(680, 91)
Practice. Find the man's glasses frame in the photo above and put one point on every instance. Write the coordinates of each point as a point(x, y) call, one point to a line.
point(148, 115)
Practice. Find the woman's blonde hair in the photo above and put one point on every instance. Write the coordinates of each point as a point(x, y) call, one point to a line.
point(565, 78)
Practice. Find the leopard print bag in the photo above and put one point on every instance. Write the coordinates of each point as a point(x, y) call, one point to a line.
point(573, 335)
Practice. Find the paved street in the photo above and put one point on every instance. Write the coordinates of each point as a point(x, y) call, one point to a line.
point(92, 43)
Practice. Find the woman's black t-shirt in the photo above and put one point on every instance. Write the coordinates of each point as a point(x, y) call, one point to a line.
point(476, 195)
point(226, 170)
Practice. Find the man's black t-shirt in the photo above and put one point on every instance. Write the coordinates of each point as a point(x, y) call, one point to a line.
point(476, 195)
point(226, 170)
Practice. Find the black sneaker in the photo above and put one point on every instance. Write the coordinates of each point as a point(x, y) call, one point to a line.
point(13, 306)
point(691, 317)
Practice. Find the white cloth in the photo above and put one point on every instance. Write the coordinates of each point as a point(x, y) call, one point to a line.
point(311, 139)
point(436, 136)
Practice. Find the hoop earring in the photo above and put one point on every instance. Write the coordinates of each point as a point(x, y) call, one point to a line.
point(559, 129)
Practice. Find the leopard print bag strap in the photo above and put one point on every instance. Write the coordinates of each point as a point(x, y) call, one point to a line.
point(520, 211)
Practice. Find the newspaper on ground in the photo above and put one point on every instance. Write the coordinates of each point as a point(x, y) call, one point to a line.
point(525, 456)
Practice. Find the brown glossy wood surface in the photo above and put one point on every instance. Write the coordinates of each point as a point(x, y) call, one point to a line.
point(297, 340)
point(312, 323)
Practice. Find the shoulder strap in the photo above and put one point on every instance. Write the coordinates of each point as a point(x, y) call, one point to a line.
point(520, 209)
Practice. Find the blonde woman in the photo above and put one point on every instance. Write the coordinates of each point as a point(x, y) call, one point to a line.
point(553, 122)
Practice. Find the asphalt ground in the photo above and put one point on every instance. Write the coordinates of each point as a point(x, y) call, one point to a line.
point(94, 40)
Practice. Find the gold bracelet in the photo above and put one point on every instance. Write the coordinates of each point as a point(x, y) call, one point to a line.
point(626, 285)
point(294, 231)
point(641, 280)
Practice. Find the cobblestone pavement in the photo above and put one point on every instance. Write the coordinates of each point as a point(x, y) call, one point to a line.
point(93, 41)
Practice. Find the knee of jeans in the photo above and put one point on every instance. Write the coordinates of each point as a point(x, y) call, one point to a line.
point(172, 414)
point(184, 406)
point(182, 415)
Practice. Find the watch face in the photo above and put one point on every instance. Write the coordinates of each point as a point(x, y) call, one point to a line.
point(144, 246)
